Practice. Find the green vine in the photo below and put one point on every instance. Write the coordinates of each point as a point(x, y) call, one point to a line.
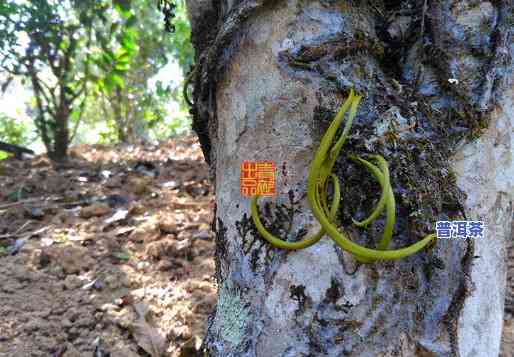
point(317, 188)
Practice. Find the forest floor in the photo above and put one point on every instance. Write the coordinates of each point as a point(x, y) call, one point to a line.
point(111, 255)
point(508, 337)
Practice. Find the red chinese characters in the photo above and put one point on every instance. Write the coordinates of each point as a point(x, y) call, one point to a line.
point(257, 178)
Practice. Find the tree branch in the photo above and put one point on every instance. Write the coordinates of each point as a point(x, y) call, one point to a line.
point(17, 150)
point(79, 119)
point(40, 121)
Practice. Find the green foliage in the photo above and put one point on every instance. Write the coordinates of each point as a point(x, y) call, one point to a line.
point(182, 49)
point(13, 131)
point(108, 134)
point(102, 56)
point(66, 48)
point(137, 108)
point(170, 123)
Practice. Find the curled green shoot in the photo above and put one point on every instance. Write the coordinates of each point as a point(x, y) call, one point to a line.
point(304, 243)
point(317, 186)
point(375, 171)
point(387, 200)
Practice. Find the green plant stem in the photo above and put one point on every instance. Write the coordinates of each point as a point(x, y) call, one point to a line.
point(304, 243)
point(320, 170)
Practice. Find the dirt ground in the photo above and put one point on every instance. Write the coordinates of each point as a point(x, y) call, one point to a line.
point(111, 255)
point(508, 338)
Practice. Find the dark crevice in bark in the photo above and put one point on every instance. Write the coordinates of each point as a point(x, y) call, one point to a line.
point(221, 253)
point(250, 244)
point(279, 221)
point(463, 291)
point(334, 292)
point(297, 293)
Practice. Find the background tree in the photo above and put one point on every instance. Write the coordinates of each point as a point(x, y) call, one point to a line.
point(56, 46)
point(133, 104)
point(436, 78)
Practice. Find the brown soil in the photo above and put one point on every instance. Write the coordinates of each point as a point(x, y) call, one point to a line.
point(508, 338)
point(112, 259)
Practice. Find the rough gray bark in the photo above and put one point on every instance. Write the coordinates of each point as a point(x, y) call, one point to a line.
point(269, 77)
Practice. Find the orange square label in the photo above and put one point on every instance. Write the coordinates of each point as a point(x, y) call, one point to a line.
point(257, 178)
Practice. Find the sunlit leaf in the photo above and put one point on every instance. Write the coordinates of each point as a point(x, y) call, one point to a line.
point(116, 80)
point(123, 66)
point(122, 7)
point(128, 42)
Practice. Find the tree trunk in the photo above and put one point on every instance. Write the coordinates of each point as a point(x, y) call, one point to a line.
point(119, 118)
point(59, 153)
point(269, 77)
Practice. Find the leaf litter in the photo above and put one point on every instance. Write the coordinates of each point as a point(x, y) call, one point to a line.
point(117, 253)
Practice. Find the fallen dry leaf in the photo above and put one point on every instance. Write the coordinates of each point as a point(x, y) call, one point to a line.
point(146, 336)
point(139, 185)
point(95, 210)
point(168, 225)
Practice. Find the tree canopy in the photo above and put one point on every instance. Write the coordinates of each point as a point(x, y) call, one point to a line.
point(82, 56)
